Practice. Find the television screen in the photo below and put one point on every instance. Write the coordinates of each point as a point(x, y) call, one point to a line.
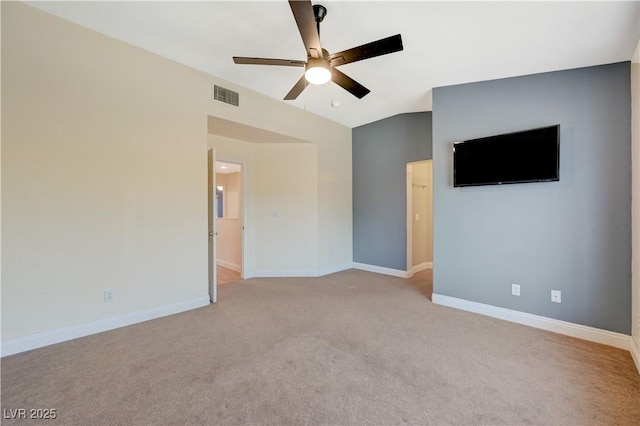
point(528, 156)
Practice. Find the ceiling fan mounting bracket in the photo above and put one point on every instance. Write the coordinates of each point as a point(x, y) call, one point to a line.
point(319, 11)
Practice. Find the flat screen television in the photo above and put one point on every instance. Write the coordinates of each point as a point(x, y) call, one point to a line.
point(519, 157)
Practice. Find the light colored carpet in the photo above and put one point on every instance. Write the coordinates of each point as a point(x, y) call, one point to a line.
point(348, 348)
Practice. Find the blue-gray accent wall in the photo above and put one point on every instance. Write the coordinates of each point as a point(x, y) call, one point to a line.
point(381, 151)
point(573, 235)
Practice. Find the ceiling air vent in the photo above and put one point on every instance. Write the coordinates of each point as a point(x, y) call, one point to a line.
point(225, 95)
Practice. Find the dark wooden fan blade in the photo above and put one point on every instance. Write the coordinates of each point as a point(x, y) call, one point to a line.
point(303, 13)
point(267, 61)
point(366, 51)
point(348, 84)
point(296, 89)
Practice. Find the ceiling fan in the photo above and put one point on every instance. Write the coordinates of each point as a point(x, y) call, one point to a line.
point(320, 66)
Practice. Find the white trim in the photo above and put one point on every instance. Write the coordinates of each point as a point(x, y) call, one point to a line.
point(312, 273)
point(45, 338)
point(382, 270)
point(422, 267)
point(228, 265)
point(333, 269)
point(293, 273)
point(584, 332)
point(635, 352)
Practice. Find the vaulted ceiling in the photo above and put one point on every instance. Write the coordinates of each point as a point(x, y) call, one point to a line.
point(445, 43)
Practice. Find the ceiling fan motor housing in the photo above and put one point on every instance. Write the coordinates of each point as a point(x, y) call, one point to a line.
point(317, 62)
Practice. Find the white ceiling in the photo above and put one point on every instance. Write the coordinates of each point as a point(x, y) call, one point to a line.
point(445, 43)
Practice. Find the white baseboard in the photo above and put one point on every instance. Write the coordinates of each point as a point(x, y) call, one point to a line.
point(635, 352)
point(584, 332)
point(286, 273)
point(422, 267)
point(333, 269)
point(228, 265)
point(382, 270)
point(297, 272)
point(38, 340)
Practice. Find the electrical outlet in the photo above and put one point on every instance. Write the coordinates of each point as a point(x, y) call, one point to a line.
point(556, 296)
point(515, 289)
point(108, 296)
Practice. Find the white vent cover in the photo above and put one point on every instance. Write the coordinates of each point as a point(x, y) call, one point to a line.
point(225, 95)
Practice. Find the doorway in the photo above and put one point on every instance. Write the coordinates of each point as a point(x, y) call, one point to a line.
point(420, 223)
point(229, 201)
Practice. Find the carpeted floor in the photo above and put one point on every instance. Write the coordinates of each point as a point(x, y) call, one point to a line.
point(349, 348)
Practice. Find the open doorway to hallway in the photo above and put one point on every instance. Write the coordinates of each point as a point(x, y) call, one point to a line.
point(420, 224)
point(229, 221)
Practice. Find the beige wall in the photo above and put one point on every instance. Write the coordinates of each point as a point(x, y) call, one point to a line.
point(282, 216)
point(635, 201)
point(306, 178)
point(232, 204)
point(286, 209)
point(104, 177)
point(229, 228)
point(234, 194)
point(335, 245)
point(229, 243)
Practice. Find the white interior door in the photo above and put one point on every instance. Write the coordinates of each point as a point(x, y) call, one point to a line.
point(212, 202)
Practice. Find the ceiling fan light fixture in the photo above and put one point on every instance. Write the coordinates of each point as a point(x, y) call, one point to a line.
point(317, 71)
